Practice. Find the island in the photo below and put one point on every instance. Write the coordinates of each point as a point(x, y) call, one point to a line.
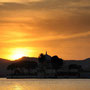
point(44, 66)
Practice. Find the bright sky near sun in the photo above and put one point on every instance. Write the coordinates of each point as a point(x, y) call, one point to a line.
point(31, 27)
point(18, 1)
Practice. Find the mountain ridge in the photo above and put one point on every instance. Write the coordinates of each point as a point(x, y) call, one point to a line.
point(5, 62)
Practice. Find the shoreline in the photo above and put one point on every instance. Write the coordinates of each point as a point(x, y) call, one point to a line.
point(28, 77)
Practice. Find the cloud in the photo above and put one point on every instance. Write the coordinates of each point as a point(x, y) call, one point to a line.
point(46, 38)
point(59, 18)
point(45, 26)
point(18, 1)
point(61, 26)
point(46, 4)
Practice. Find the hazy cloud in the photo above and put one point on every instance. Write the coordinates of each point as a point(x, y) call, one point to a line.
point(18, 1)
point(46, 4)
point(46, 23)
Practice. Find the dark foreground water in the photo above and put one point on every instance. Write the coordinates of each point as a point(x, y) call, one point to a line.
point(44, 84)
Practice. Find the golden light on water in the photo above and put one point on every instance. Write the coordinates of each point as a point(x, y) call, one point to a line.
point(17, 87)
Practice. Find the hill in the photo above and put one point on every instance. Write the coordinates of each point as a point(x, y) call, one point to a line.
point(4, 63)
point(3, 66)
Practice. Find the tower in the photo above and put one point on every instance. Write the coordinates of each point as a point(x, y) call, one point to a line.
point(46, 53)
point(48, 57)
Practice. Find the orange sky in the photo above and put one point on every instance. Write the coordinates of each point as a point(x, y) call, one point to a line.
point(60, 27)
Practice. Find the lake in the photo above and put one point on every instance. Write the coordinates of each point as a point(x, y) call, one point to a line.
point(44, 84)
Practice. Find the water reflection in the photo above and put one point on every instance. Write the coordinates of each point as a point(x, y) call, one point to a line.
point(44, 84)
point(17, 87)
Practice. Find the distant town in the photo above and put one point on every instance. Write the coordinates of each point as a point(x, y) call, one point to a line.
point(45, 66)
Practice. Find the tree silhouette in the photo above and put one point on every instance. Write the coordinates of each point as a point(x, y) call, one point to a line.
point(41, 58)
point(30, 65)
point(56, 63)
point(21, 65)
point(26, 67)
point(77, 67)
point(12, 67)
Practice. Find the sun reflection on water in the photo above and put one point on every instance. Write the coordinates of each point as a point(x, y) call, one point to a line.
point(44, 84)
point(17, 87)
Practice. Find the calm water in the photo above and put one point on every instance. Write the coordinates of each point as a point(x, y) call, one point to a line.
point(44, 84)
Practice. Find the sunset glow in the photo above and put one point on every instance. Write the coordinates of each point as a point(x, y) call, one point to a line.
point(61, 27)
point(17, 56)
point(17, 53)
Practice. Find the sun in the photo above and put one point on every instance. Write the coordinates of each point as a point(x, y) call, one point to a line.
point(19, 53)
point(17, 56)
